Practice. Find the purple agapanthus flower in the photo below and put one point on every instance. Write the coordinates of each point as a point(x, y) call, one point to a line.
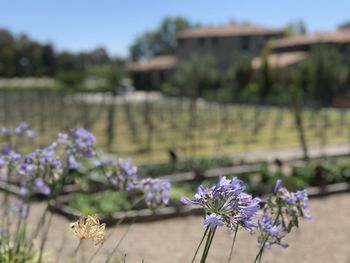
point(27, 168)
point(62, 138)
point(293, 202)
point(271, 232)
point(41, 187)
point(157, 192)
point(30, 134)
point(213, 220)
point(227, 199)
point(278, 186)
point(302, 200)
point(23, 191)
point(14, 156)
point(21, 127)
point(2, 162)
point(124, 176)
point(281, 213)
point(72, 162)
point(49, 160)
point(83, 142)
point(128, 168)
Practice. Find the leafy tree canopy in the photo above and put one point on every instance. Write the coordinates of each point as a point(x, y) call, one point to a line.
point(161, 41)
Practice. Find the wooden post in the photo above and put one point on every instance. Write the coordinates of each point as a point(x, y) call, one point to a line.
point(110, 121)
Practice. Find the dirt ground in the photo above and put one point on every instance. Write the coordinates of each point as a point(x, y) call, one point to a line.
point(325, 239)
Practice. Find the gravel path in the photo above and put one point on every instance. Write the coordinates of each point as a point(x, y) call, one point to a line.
point(324, 239)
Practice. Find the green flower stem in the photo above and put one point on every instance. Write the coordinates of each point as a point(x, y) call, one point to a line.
point(119, 242)
point(207, 245)
point(233, 244)
point(200, 244)
point(116, 226)
point(40, 223)
point(77, 248)
point(259, 255)
point(44, 238)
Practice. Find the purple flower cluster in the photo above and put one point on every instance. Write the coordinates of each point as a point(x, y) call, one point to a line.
point(227, 204)
point(157, 192)
point(43, 162)
point(40, 169)
point(83, 143)
point(8, 152)
point(47, 165)
point(293, 203)
point(37, 168)
point(79, 144)
point(272, 232)
point(22, 129)
point(281, 214)
point(2, 162)
point(124, 177)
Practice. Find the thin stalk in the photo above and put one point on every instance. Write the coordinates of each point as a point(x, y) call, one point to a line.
point(200, 244)
point(45, 234)
point(115, 227)
point(207, 245)
point(119, 242)
point(77, 248)
point(259, 255)
point(39, 226)
point(59, 252)
point(233, 244)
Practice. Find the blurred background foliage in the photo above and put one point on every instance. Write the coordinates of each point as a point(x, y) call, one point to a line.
point(324, 74)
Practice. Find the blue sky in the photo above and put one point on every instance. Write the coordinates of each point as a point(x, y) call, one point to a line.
point(83, 25)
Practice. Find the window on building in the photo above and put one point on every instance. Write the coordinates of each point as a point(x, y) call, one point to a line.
point(201, 42)
point(161, 76)
point(245, 43)
point(180, 42)
point(214, 41)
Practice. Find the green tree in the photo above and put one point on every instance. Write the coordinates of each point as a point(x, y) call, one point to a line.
point(161, 41)
point(327, 70)
point(344, 26)
point(195, 76)
point(238, 77)
point(192, 79)
point(70, 70)
point(7, 54)
point(49, 60)
point(21, 56)
point(265, 77)
point(296, 28)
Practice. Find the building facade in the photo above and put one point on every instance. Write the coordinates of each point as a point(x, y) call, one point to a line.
point(224, 43)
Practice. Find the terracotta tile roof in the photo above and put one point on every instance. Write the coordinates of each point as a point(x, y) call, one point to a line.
point(340, 36)
point(155, 63)
point(227, 30)
point(280, 60)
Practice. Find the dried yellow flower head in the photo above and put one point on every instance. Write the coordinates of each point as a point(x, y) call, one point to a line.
point(89, 228)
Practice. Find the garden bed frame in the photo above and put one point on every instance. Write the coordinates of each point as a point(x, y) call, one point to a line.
point(147, 215)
